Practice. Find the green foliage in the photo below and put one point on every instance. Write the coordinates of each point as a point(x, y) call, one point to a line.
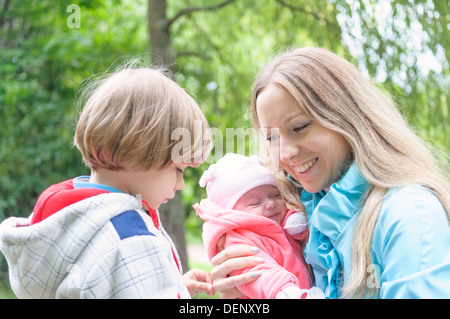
point(218, 53)
point(404, 45)
point(42, 63)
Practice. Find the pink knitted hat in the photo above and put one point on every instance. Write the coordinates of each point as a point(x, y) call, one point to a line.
point(232, 176)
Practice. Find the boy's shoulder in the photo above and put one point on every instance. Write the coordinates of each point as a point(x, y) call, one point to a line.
point(59, 196)
point(129, 224)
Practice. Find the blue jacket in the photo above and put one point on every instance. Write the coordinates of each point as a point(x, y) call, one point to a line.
point(410, 244)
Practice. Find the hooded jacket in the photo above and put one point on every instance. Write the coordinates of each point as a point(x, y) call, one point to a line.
point(102, 246)
point(283, 264)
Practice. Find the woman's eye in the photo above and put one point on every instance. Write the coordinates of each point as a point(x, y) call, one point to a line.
point(179, 170)
point(271, 134)
point(271, 138)
point(300, 128)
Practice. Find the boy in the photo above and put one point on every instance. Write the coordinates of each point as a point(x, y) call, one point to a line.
point(99, 236)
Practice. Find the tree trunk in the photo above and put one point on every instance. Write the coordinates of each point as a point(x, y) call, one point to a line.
point(159, 30)
point(173, 214)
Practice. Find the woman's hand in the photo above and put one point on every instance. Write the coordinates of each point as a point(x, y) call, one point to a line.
point(228, 260)
point(198, 281)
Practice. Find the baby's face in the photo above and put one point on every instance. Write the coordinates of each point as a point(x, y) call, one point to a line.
point(264, 200)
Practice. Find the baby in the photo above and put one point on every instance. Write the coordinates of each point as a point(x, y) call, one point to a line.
point(245, 204)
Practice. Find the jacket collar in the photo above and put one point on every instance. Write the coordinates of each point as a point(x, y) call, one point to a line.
point(330, 211)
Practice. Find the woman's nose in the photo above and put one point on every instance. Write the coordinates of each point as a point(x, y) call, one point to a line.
point(288, 149)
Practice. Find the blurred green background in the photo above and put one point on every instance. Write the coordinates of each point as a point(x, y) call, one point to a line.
point(215, 48)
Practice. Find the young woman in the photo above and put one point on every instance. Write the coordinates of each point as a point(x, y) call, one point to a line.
point(377, 201)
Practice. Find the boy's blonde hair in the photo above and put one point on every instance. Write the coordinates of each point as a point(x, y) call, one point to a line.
point(334, 94)
point(128, 120)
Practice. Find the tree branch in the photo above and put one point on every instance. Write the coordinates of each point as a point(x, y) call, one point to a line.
point(318, 16)
point(189, 10)
point(192, 53)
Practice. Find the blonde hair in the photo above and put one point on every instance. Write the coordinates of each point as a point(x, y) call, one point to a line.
point(128, 120)
point(334, 94)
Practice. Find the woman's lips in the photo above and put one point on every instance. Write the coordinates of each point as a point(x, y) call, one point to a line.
point(304, 167)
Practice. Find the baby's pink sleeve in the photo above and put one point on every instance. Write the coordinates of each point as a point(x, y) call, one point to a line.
point(273, 277)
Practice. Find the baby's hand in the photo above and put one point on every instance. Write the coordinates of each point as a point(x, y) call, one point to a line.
point(198, 281)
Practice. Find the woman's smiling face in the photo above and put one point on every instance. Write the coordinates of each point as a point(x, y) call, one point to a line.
point(312, 154)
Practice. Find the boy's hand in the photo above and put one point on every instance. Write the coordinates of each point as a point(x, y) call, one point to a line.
point(198, 281)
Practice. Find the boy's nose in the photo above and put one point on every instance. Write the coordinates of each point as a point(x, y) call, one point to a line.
point(179, 184)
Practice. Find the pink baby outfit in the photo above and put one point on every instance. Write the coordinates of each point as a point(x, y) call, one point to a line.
point(284, 273)
point(283, 264)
